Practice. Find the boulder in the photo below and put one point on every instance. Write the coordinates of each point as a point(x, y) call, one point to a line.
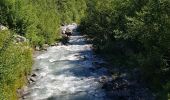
point(63, 29)
point(37, 48)
point(68, 32)
point(32, 79)
point(34, 75)
point(65, 40)
point(74, 24)
point(2, 28)
point(20, 92)
point(53, 44)
point(25, 88)
point(19, 39)
point(103, 79)
point(45, 46)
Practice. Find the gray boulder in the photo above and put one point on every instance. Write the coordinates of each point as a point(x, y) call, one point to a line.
point(18, 39)
point(37, 48)
point(103, 79)
point(2, 28)
point(45, 46)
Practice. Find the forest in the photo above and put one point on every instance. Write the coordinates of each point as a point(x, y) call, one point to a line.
point(130, 33)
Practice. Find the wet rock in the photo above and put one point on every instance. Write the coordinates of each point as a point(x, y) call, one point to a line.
point(103, 79)
point(34, 74)
point(115, 76)
point(77, 55)
point(82, 57)
point(120, 84)
point(65, 40)
point(69, 33)
point(25, 95)
point(37, 69)
point(32, 79)
point(66, 31)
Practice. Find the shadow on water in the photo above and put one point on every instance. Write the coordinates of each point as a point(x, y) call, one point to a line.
point(83, 67)
point(81, 96)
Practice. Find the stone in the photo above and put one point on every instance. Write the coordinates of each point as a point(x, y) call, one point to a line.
point(53, 44)
point(82, 57)
point(77, 55)
point(25, 95)
point(45, 46)
point(34, 75)
point(21, 92)
point(32, 79)
point(103, 79)
point(37, 48)
point(74, 24)
point(58, 44)
point(68, 34)
point(3, 28)
point(25, 88)
point(19, 39)
point(68, 31)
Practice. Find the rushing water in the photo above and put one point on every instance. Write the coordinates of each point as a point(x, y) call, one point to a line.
point(65, 73)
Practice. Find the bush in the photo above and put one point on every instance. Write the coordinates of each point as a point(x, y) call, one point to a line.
point(15, 64)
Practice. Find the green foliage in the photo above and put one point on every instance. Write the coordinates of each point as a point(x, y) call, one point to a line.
point(40, 20)
point(71, 10)
point(134, 32)
point(15, 64)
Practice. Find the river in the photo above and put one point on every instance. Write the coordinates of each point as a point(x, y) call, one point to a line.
point(66, 72)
